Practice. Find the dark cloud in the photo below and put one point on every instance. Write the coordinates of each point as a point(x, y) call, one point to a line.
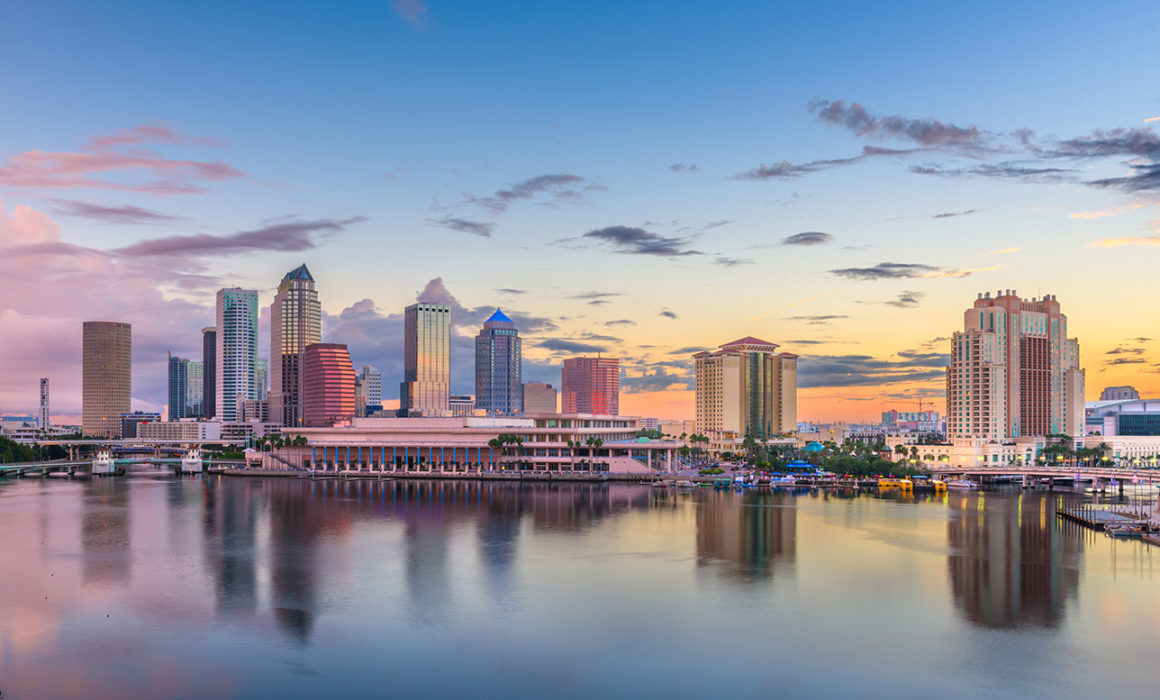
point(906, 299)
point(560, 187)
point(595, 295)
point(807, 238)
point(1144, 178)
point(512, 291)
point(475, 228)
point(884, 271)
point(287, 236)
point(668, 314)
point(637, 241)
point(816, 320)
point(657, 380)
point(688, 350)
point(733, 262)
point(786, 170)
point(949, 214)
point(1125, 351)
point(606, 338)
point(927, 132)
point(1140, 340)
point(681, 167)
point(1142, 143)
point(572, 346)
point(1003, 171)
point(620, 322)
point(125, 214)
point(1126, 361)
point(598, 302)
point(815, 371)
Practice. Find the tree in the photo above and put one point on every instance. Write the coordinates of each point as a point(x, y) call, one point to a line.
point(749, 444)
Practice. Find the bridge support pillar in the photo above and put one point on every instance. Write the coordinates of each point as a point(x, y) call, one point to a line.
point(1121, 482)
point(1026, 478)
point(1051, 483)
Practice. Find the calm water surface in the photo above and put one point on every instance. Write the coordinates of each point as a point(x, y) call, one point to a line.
point(151, 586)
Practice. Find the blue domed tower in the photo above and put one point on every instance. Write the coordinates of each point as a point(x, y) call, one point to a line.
point(499, 367)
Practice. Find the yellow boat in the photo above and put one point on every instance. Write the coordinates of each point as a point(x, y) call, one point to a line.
point(904, 484)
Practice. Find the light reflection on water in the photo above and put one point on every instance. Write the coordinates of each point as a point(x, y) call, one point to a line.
point(152, 586)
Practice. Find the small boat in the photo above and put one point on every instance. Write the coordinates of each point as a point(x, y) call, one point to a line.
point(782, 480)
point(660, 484)
point(961, 484)
point(903, 484)
point(1124, 530)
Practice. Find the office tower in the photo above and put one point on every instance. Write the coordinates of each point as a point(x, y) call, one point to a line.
point(498, 367)
point(106, 380)
point(261, 378)
point(327, 384)
point(295, 322)
point(539, 398)
point(1014, 372)
point(194, 390)
point(368, 390)
point(178, 386)
point(209, 365)
point(236, 351)
point(590, 385)
point(45, 419)
point(1119, 393)
point(426, 385)
point(746, 388)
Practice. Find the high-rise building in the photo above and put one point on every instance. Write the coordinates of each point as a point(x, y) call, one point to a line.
point(106, 380)
point(295, 322)
point(368, 388)
point(45, 421)
point(1014, 372)
point(327, 384)
point(539, 398)
point(498, 367)
point(209, 365)
point(262, 378)
point(1119, 393)
point(236, 351)
point(194, 390)
point(426, 385)
point(590, 385)
point(186, 388)
point(745, 388)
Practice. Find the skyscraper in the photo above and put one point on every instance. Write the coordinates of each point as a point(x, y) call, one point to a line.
point(106, 380)
point(590, 385)
point(236, 350)
point(1014, 372)
point(178, 385)
point(327, 384)
point(295, 322)
point(745, 388)
point(426, 386)
point(369, 389)
point(45, 421)
point(499, 367)
point(262, 379)
point(195, 390)
point(209, 365)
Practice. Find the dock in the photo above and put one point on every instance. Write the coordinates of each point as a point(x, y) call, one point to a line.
point(1097, 518)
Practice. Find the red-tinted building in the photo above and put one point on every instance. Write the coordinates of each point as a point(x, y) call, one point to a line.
point(591, 385)
point(327, 385)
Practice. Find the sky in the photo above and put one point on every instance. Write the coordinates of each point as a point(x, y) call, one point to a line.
point(643, 180)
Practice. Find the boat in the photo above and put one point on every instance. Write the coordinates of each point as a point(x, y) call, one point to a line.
point(1124, 530)
point(892, 483)
point(782, 480)
point(962, 485)
point(660, 484)
point(925, 483)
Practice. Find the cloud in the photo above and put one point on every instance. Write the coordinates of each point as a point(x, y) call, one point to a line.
point(681, 167)
point(620, 322)
point(1149, 240)
point(285, 236)
point(949, 214)
point(1126, 361)
point(561, 187)
point(733, 262)
point(906, 299)
point(688, 350)
point(112, 215)
point(594, 295)
point(817, 371)
point(786, 170)
point(657, 380)
point(886, 270)
point(413, 12)
point(927, 132)
point(816, 320)
point(808, 238)
point(1125, 351)
point(572, 346)
point(799, 302)
point(1113, 142)
point(476, 228)
point(145, 133)
point(511, 291)
point(1004, 171)
point(1003, 251)
point(25, 227)
point(637, 241)
point(1144, 177)
point(668, 314)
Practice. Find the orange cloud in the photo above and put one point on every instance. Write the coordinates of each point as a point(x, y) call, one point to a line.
point(767, 314)
point(1154, 239)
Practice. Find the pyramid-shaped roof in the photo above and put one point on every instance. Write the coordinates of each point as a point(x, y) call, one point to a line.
point(749, 340)
point(499, 317)
point(299, 273)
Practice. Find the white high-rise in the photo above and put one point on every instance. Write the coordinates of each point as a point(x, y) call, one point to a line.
point(237, 349)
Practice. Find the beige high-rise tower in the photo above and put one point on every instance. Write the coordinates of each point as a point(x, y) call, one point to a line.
point(106, 377)
point(295, 322)
point(746, 388)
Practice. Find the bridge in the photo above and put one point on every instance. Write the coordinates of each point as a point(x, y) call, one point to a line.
point(1119, 475)
point(191, 462)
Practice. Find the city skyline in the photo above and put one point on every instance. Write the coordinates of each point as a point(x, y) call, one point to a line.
point(716, 186)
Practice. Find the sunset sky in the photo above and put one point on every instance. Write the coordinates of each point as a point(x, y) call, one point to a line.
point(641, 179)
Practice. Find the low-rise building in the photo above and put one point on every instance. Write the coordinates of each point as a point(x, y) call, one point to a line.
point(191, 430)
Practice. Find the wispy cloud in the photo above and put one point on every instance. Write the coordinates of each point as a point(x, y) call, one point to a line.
point(476, 228)
point(733, 262)
point(682, 168)
point(146, 133)
point(799, 302)
point(817, 320)
point(786, 170)
point(620, 322)
point(949, 214)
point(1149, 240)
point(889, 270)
point(905, 300)
point(858, 120)
point(556, 187)
point(125, 214)
point(285, 236)
point(807, 238)
point(413, 12)
point(595, 295)
point(507, 290)
point(567, 345)
point(637, 241)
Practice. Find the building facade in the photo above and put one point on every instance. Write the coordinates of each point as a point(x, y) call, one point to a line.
point(540, 398)
point(131, 423)
point(45, 420)
point(295, 322)
point(745, 388)
point(1014, 372)
point(327, 385)
point(1129, 418)
point(368, 389)
point(462, 405)
point(180, 430)
point(106, 377)
point(236, 350)
point(590, 385)
point(1119, 393)
point(209, 367)
point(186, 388)
point(499, 367)
point(426, 386)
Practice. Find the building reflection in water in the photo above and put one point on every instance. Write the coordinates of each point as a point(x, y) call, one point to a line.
point(229, 522)
point(1010, 563)
point(748, 535)
point(105, 531)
